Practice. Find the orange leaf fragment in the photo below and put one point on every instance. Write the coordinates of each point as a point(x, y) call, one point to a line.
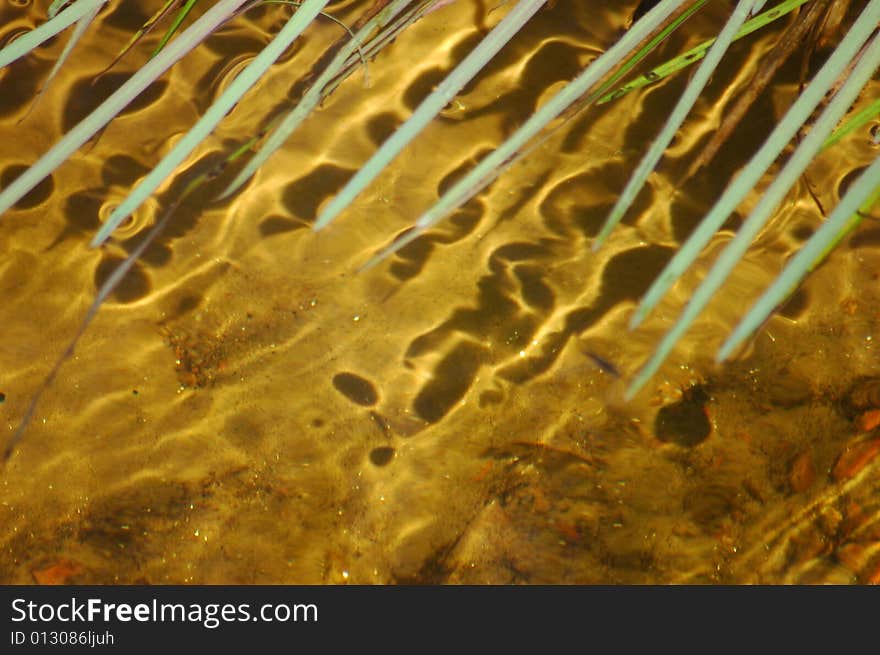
point(57, 574)
point(869, 420)
point(855, 458)
point(873, 577)
point(803, 473)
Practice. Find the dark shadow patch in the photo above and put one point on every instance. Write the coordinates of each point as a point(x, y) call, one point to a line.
point(242, 432)
point(128, 18)
point(685, 422)
point(534, 291)
point(134, 286)
point(382, 455)
point(411, 259)
point(490, 398)
point(88, 93)
point(795, 305)
point(461, 170)
point(303, 196)
point(524, 369)
point(187, 303)
point(451, 380)
point(157, 253)
point(381, 126)
point(867, 238)
point(82, 211)
point(19, 82)
point(422, 86)
point(628, 274)
point(122, 170)
point(357, 389)
point(279, 225)
point(690, 207)
point(582, 203)
point(33, 198)
point(549, 62)
point(802, 232)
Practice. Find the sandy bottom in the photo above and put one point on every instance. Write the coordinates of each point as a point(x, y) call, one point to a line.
point(249, 408)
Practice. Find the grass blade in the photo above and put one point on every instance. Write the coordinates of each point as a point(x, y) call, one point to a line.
point(106, 289)
point(854, 122)
point(645, 50)
point(175, 25)
point(858, 201)
point(295, 26)
point(676, 118)
point(695, 54)
point(105, 112)
point(431, 106)
point(145, 29)
point(506, 154)
point(313, 96)
point(785, 130)
point(81, 26)
point(791, 172)
point(56, 6)
point(30, 40)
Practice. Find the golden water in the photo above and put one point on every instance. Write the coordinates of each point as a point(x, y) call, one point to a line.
point(248, 408)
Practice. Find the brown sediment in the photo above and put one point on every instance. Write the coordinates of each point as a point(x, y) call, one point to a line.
point(435, 419)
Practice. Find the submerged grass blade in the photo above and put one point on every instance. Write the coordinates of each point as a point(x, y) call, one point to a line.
point(775, 193)
point(30, 40)
point(295, 26)
point(856, 203)
point(106, 289)
point(431, 106)
point(81, 26)
point(785, 130)
point(330, 17)
point(507, 153)
point(695, 54)
point(676, 118)
point(313, 96)
point(107, 110)
point(145, 29)
point(854, 122)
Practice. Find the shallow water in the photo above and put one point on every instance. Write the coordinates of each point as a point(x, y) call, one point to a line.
point(249, 408)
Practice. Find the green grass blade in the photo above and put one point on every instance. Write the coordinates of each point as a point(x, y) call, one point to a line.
point(295, 26)
point(313, 96)
point(775, 193)
point(676, 118)
point(431, 106)
point(145, 29)
point(858, 201)
point(117, 101)
point(30, 40)
point(785, 130)
point(854, 122)
point(175, 25)
point(645, 50)
point(695, 54)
